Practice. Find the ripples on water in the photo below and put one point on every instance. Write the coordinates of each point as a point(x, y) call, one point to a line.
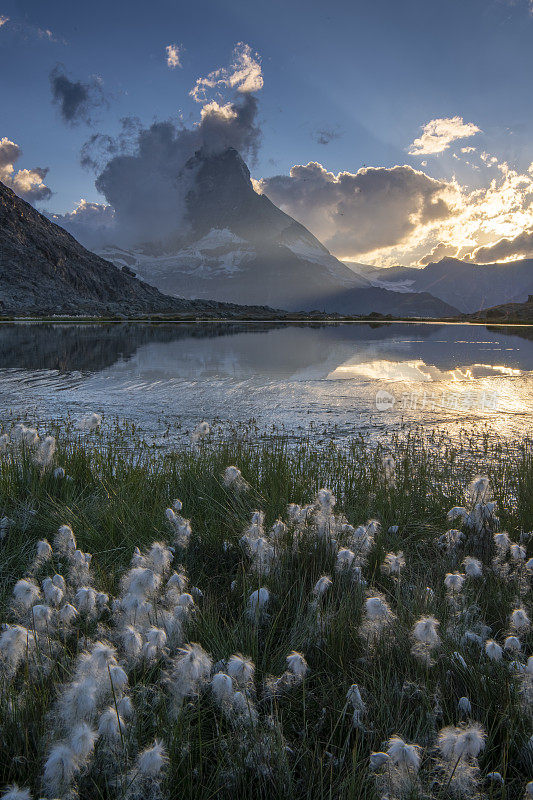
point(348, 376)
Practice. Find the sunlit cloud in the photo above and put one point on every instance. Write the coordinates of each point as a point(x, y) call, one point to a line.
point(244, 75)
point(173, 56)
point(27, 183)
point(3, 20)
point(357, 213)
point(438, 135)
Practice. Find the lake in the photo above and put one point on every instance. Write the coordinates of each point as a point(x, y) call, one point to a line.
point(345, 377)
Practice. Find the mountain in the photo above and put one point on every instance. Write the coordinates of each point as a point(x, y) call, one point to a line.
point(239, 247)
point(44, 270)
point(467, 286)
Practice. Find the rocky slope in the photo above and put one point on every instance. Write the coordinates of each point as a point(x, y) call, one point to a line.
point(519, 312)
point(44, 270)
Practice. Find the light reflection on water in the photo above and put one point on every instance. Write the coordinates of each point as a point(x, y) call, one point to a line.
point(287, 375)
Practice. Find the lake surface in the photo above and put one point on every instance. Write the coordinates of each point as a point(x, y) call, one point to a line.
point(343, 376)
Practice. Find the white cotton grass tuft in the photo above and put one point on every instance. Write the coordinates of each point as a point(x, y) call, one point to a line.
point(464, 705)
point(473, 567)
point(454, 581)
point(258, 602)
point(378, 760)
point(82, 741)
point(403, 754)
point(457, 512)
point(64, 540)
point(241, 669)
point(393, 564)
point(425, 632)
point(41, 616)
point(502, 542)
point(493, 650)
point(518, 552)
point(15, 642)
point(345, 559)
point(297, 664)
point(462, 742)
point(26, 593)
point(90, 422)
point(67, 614)
point(59, 769)
point(322, 585)
point(46, 451)
point(181, 526)
point(153, 760)
point(85, 600)
point(233, 479)
point(202, 430)
point(377, 609)
point(377, 616)
point(519, 620)
point(52, 594)
point(512, 643)
point(110, 725)
point(44, 551)
point(14, 792)
point(222, 688)
point(354, 699)
point(478, 490)
point(191, 669)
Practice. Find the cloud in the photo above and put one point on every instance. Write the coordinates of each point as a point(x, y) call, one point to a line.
point(438, 134)
point(468, 149)
point(173, 56)
point(520, 246)
point(145, 174)
point(244, 75)
point(354, 214)
point(76, 100)
point(3, 20)
point(325, 135)
point(90, 222)
point(27, 183)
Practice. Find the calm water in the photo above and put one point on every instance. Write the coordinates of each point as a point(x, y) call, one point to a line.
point(347, 376)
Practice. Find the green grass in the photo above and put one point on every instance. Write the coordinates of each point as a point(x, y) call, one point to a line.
point(116, 501)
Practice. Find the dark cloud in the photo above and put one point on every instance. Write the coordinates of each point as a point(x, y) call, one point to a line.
point(325, 135)
point(76, 100)
point(440, 250)
point(355, 213)
point(520, 246)
point(143, 172)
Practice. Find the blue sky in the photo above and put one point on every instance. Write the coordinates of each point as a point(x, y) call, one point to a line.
point(372, 73)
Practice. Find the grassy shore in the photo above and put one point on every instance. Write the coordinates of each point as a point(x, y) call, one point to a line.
point(294, 729)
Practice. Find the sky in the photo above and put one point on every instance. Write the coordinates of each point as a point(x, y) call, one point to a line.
point(398, 133)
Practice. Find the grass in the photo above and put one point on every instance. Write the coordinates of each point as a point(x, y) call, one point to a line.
point(305, 745)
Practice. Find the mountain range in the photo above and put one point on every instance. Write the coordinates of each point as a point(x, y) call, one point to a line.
point(234, 252)
point(469, 287)
point(241, 248)
point(44, 270)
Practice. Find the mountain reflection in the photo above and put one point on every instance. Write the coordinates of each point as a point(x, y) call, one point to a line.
point(395, 352)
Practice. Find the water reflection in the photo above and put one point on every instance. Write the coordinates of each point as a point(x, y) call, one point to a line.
point(290, 374)
point(393, 352)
